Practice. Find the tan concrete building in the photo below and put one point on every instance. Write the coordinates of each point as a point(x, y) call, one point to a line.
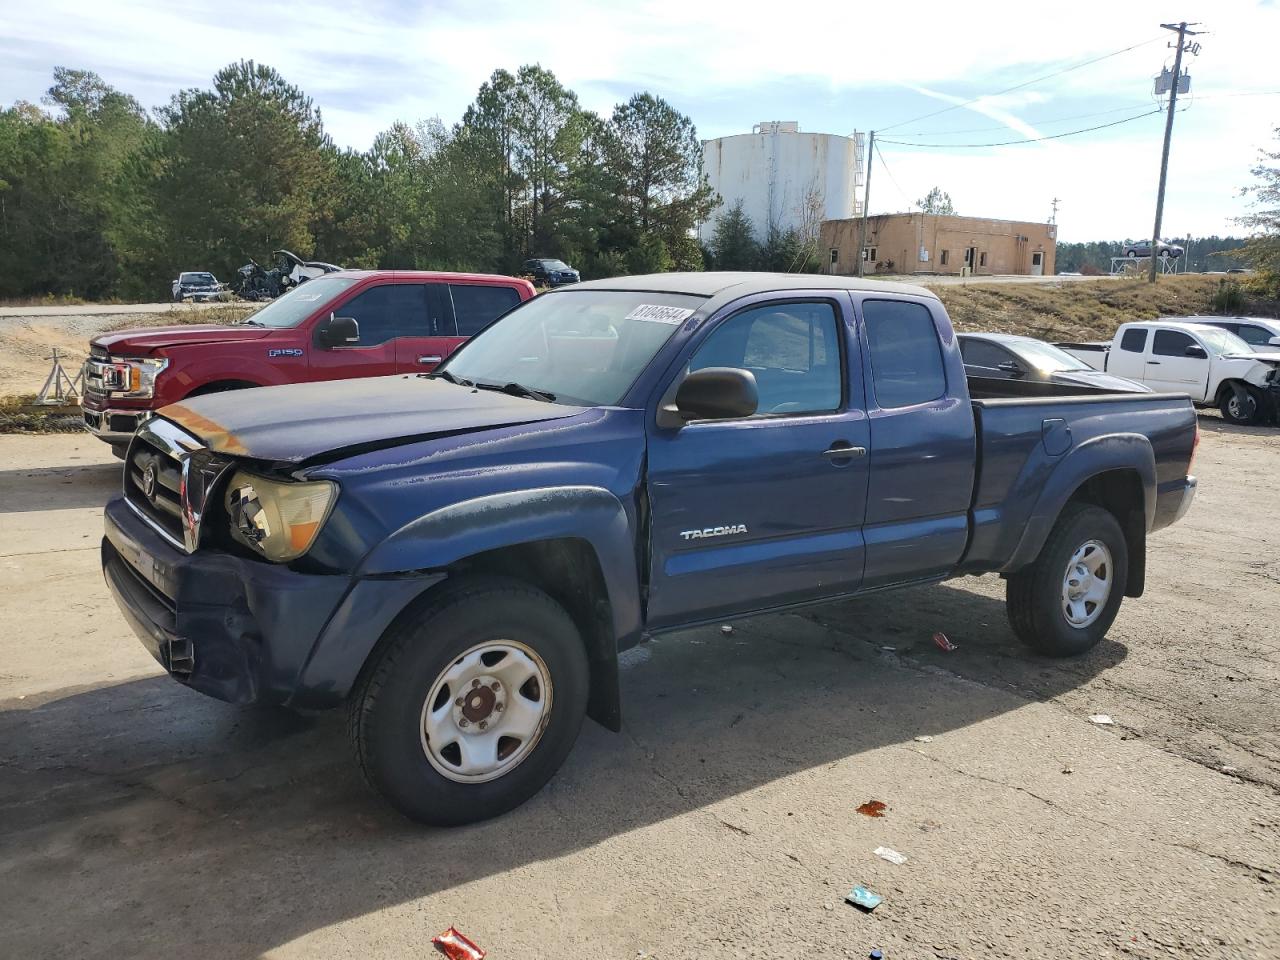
point(931, 243)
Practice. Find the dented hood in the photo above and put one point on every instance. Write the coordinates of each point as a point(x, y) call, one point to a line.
point(133, 343)
point(306, 421)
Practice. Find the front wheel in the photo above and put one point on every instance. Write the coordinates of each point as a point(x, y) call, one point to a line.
point(1233, 411)
point(472, 703)
point(1066, 601)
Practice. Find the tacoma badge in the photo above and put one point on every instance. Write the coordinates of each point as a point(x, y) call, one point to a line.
point(714, 531)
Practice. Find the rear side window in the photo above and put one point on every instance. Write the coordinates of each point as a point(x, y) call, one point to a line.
point(476, 306)
point(1171, 343)
point(906, 357)
point(1135, 340)
point(387, 311)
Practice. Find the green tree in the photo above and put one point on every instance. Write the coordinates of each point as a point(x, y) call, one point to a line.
point(246, 168)
point(655, 154)
point(1262, 249)
point(733, 244)
point(787, 251)
point(937, 201)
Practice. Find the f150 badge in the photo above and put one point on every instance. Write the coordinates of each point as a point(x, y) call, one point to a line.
point(285, 352)
point(714, 532)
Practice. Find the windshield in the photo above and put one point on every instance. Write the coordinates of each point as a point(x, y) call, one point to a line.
point(198, 278)
point(1222, 341)
point(583, 347)
point(300, 302)
point(555, 265)
point(1046, 357)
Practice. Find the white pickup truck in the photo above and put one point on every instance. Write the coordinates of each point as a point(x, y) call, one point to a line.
point(1211, 365)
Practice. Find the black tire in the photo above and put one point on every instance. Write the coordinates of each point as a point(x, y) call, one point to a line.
point(1034, 595)
point(1230, 408)
point(386, 708)
point(1131, 253)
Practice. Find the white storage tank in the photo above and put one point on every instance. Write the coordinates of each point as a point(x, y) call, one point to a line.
point(783, 177)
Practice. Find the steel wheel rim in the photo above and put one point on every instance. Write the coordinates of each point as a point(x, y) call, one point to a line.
point(1086, 585)
point(486, 711)
point(1233, 407)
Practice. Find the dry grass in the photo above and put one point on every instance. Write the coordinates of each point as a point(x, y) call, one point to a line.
point(1073, 310)
point(175, 316)
point(22, 415)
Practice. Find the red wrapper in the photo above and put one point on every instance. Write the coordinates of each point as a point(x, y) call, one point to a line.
point(943, 643)
point(455, 946)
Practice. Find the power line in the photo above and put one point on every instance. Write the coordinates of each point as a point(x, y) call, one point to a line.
point(1039, 123)
point(1019, 86)
point(1008, 143)
point(892, 179)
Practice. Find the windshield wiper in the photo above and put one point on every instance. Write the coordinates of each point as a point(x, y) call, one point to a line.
point(446, 375)
point(518, 390)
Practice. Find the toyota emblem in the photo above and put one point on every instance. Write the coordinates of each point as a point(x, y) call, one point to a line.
point(149, 481)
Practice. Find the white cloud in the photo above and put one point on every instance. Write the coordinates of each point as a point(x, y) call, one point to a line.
point(367, 64)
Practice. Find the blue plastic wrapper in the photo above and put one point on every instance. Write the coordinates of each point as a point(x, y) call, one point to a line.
point(864, 898)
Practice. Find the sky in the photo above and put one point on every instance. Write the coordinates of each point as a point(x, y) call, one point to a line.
point(834, 68)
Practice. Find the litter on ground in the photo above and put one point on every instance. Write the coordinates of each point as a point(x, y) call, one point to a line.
point(1102, 719)
point(893, 856)
point(864, 899)
point(873, 808)
point(942, 643)
point(924, 738)
point(456, 946)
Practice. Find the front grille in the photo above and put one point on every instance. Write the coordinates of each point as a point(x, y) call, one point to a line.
point(152, 481)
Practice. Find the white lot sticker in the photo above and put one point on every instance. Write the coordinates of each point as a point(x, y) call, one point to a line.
point(658, 314)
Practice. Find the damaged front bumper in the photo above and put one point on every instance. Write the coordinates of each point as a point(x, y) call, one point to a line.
point(242, 630)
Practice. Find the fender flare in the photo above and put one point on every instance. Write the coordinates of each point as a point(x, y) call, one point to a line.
point(1117, 451)
point(588, 513)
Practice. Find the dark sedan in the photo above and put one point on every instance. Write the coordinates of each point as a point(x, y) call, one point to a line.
point(553, 273)
point(1003, 365)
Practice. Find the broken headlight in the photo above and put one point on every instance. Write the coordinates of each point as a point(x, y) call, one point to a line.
point(278, 519)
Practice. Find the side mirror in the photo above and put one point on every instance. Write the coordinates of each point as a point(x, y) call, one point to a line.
point(1011, 368)
point(339, 332)
point(713, 393)
point(1197, 352)
point(1274, 342)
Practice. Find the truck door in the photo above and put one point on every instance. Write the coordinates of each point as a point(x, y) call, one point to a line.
point(1170, 370)
point(766, 510)
point(429, 337)
point(923, 441)
point(1129, 359)
point(383, 313)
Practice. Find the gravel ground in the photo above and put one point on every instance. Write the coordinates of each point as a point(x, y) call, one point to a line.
point(139, 819)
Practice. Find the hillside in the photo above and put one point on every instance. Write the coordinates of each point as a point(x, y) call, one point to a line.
point(1079, 310)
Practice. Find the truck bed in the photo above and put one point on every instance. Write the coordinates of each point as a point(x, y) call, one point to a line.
point(1030, 451)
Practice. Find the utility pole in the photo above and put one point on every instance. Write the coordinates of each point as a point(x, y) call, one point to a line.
point(866, 199)
point(1053, 218)
point(1183, 32)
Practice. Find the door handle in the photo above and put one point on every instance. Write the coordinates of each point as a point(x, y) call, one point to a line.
point(1153, 363)
point(835, 452)
point(434, 358)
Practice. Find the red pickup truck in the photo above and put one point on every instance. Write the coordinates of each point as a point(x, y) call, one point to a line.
point(341, 325)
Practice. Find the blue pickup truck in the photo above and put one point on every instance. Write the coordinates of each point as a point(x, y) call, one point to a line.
point(461, 556)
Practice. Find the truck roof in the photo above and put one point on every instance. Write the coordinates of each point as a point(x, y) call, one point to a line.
point(714, 283)
point(425, 275)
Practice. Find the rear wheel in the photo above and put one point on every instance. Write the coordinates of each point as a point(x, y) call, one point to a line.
point(1066, 601)
point(471, 705)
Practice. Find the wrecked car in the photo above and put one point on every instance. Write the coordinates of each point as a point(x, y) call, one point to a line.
point(459, 557)
point(196, 285)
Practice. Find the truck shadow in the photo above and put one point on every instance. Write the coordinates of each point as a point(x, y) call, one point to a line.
point(154, 817)
point(67, 486)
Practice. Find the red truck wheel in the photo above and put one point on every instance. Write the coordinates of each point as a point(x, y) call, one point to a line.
point(1066, 601)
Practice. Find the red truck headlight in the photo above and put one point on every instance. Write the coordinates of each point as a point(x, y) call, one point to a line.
point(132, 379)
